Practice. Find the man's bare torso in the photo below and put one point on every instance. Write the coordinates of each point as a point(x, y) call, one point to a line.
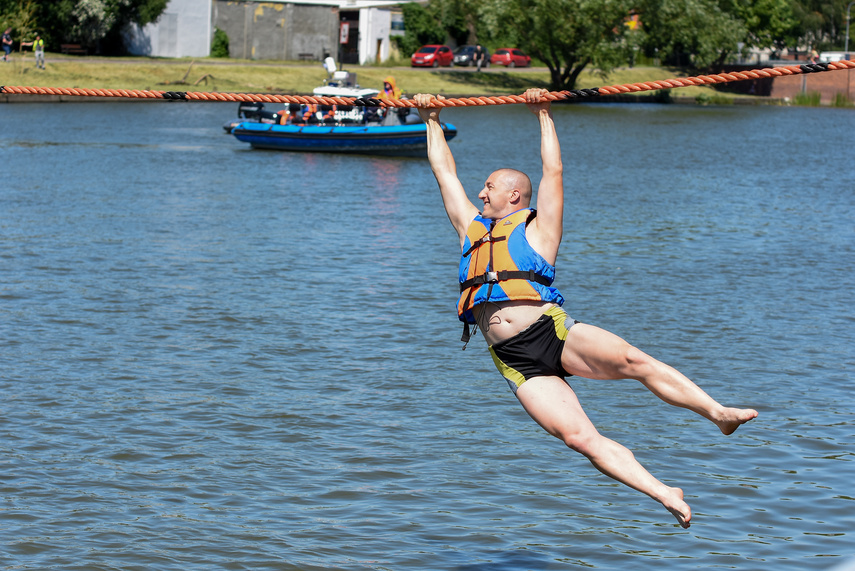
point(503, 320)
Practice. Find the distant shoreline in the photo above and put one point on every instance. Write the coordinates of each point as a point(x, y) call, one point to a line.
point(300, 78)
point(13, 98)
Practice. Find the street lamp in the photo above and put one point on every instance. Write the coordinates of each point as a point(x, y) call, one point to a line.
point(846, 49)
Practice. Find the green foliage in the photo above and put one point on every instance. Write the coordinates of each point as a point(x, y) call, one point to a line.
point(457, 18)
point(20, 15)
point(220, 44)
point(97, 24)
point(566, 35)
point(810, 99)
point(53, 18)
point(821, 23)
point(841, 100)
point(769, 23)
point(421, 26)
point(707, 98)
point(690, 33)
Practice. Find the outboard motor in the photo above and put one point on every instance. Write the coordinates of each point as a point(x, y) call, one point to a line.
point(254, 110)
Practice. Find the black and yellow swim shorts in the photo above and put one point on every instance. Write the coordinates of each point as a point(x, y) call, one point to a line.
point(535, 351)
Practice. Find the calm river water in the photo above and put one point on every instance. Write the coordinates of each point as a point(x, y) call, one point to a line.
point(219, 358)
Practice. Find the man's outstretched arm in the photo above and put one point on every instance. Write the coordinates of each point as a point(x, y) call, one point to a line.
point(550, 194)
point(459, 208)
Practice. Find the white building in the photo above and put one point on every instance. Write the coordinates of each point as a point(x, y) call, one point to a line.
point(184, 29)
point(353, 31)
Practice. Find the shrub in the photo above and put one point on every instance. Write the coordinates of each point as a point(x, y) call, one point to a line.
point(220, 44)
point(811, 99)
point(841, 100)
point(713, 99)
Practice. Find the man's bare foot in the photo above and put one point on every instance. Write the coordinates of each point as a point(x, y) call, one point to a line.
point(733, 418)
point(679, 509)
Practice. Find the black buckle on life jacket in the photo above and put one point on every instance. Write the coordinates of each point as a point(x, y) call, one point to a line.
point(483, 240)
point(503, 275)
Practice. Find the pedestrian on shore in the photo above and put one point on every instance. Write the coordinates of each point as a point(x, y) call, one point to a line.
point(38, 49)
point(7, 43)
point(479, 56)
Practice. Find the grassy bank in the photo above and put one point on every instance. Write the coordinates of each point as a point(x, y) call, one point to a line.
point(228, 75)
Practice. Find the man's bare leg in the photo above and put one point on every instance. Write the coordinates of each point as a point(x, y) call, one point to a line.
point(595, 353)
point(554, 406)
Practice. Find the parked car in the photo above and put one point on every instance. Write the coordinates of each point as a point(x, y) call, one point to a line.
point(510, 57)
point(432, 56)
point(465, 56)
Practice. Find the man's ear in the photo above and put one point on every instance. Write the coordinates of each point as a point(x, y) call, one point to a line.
point(516, 195)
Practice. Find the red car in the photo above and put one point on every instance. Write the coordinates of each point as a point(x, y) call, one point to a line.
point(432, 56)
point(510, 57)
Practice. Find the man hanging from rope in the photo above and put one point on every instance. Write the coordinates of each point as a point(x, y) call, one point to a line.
point(506, 272)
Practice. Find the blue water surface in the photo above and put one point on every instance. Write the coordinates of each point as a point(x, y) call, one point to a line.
point(221, 358)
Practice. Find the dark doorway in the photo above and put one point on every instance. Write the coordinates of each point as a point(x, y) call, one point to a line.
point(349, 50)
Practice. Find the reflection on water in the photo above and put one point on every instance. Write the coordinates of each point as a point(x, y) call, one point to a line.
point(219, 357)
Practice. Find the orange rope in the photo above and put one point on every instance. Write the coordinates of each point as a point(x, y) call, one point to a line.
point(450, 102)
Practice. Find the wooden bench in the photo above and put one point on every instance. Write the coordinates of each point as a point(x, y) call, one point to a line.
point(73, 49)
point(306, 57)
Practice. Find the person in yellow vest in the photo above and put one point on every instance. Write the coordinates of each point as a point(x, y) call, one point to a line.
point(506, 271)
point(390, 90)
point(39, 50)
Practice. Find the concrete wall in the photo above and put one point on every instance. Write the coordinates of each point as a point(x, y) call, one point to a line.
point(264, 30)
point(278, 31)
point(183, 30)
point(828, 84)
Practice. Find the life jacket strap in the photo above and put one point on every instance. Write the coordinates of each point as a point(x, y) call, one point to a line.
point(466, 334)
point(483, 240)
point(504, 275)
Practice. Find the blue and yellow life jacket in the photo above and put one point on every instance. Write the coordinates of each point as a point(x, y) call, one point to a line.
point(498, 264)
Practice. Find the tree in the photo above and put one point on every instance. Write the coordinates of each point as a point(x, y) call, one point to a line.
point(93, 23)
point(769, 23)
point(459, 19)
point(101, 23)
point(566, 35)
point(20, 15)
point(821, 23)
point(421, 26)
point(693, 33)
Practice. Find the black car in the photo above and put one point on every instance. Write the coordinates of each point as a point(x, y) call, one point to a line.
point(464, 56)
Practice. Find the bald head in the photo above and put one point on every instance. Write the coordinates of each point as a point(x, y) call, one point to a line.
point(505, 192)
point(514, 179)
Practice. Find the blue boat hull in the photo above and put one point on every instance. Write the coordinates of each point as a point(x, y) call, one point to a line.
point(410, 140)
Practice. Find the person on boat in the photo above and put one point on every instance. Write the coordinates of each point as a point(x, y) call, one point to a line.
point(390, 90)
point(326, 113)
point(506, 272)
point(314, 113)
point(293, 115)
